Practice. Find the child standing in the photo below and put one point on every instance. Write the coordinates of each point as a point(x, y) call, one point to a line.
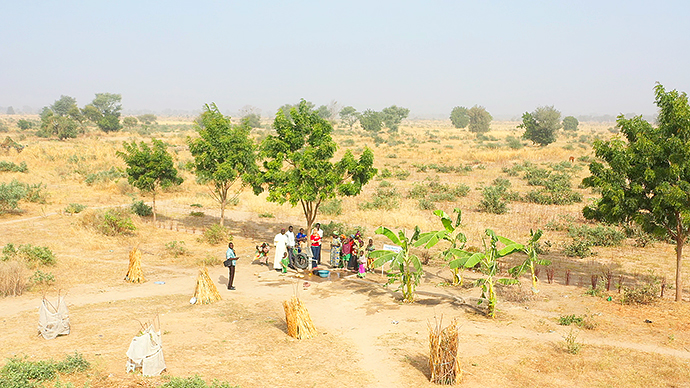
point(362, 260)
point(370, 260)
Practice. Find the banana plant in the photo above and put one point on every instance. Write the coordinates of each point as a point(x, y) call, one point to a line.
point(406, 268)
point(452, 234)
point(532, 259)
point(488, 265)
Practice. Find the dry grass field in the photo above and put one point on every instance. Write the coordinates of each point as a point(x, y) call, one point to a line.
point(367, 337)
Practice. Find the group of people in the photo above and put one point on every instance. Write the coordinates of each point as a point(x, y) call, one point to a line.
point(348, 252)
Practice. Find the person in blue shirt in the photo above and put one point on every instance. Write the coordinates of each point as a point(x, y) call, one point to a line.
point(231, 260)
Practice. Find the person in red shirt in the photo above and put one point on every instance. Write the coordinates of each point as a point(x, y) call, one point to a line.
point(315, 240)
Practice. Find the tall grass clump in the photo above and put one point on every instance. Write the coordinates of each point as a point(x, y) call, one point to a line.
point(13, 280)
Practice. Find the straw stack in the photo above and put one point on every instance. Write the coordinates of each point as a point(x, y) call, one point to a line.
point(134, 274)
point(443, 354)
point(299, 323)
point(206, 292)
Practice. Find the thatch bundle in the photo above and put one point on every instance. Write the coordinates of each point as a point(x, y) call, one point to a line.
point(206, 292)
point(299, 323)
point(134, 274)
point(443, 354)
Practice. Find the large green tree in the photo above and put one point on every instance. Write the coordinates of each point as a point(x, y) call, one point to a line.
point(223, 154)
point(150, 169)
point(298, 166)
point(570, 123)
point(61, 119)
point(349, 116)
point(541, 125)
point(371, 121)
point(480, 119)
point(459, 117)
point(104, 111)
point(646, 177)
point(393, 116)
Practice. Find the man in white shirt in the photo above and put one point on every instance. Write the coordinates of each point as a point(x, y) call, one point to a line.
point(280, 242)
point(290, 242)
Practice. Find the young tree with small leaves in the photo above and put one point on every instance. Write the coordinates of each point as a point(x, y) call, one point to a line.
point(149, 169)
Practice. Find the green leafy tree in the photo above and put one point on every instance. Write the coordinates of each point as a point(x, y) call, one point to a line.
point(130, 122)
point(406, 268)
point(298, 169)
point(541, 125)
point(147, 119)
point(646, 179)
point(480, 119)
point(393, 116)
point(61, 119)
point(570, 123)
point(223, 155)
point(532, 259)
point(349, 116)
point(150, 169)
point(106, 114)
point(450, 233)
point(24, 124)
point(371, 121)
point(460, 117)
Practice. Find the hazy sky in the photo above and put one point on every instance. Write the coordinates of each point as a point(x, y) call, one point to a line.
point(584, 57)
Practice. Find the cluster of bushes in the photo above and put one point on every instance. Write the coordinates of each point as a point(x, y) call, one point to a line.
point(110, 222)
point(430, 192)
point(12, 167)
point(341, 228)
point(385, 198)
point(104, 176)
point(334, 207)
point(442, 168)
point(32, 255)
point(399, 174)
point(15, 191)
point(19, 372)
point(216, 234)
point(554, 181)
point(585, 237)
point(495, 197)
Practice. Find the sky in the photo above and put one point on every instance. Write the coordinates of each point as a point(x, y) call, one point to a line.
point(583, 57)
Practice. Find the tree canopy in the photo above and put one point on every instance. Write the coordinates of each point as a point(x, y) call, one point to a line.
point(570, 123)
point(393, 116)
point(104, 111)
point(646, 179)
point(371, 121)
point(298, 166)
point(541, 125)
point(480, 119)
point(61, 119)
point(223, 154)
point(459, 117)
point(149, 169)
point(349, 116)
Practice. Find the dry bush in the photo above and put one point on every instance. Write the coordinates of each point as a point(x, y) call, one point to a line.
point(110, 222)
point(13, 279)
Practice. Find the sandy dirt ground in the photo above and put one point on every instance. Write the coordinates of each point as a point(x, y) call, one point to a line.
point(366, 336)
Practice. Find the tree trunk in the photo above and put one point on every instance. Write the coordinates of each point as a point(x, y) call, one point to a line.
point(679, 261)
point(222, 212)
point(154, 208)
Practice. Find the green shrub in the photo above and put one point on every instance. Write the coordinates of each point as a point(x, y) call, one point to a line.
point(10, 195)
point(266, 215)
point(567, 320)
point(176, 248)
point(194, 382)
point(418, 191)
point(578, 248)
point(216, 234)
point(645, 294)
point(514, 143)
point(601, 236)
point(401, 174)
point(334, 207)
point(493, 201)
point(29, 253)
point(74, 208)
point(24, 124)
point(111, 222)
point(11, 167)
point(196, 205)
point(385, 184)
point(105, 176)
point(341, 228)
point(36, 193)
point(384, 199)
point(196, 214)
point(22, 373)
point(426, 204)
point(385, 173)
point(141, 209)
point(40, 277)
